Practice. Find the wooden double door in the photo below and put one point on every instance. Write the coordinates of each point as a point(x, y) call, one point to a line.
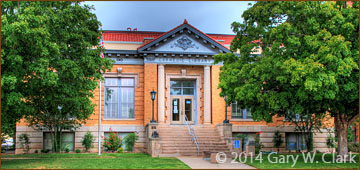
point(182, 107)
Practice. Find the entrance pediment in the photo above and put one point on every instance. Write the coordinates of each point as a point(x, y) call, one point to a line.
point(185, 43)
point(184, 39)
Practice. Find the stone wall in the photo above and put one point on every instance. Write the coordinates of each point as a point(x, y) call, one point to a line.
point(267, 134)
point(36, 137)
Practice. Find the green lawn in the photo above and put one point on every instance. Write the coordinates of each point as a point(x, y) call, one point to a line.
point(318, 162)
point(89, 161)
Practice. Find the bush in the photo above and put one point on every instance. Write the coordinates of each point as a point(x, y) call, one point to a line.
point(36, 151)
point(353, 147)
point(120, 150)
point(45, 150)
point(77, 150)
point(25, 142)
point(130, 140)
point(277, 140)
point(331, 141)
point(113, 142)
point(258, 144)
point(87, 141)
point(67, 150)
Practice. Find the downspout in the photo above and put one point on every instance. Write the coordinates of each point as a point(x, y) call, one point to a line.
point(99, 135)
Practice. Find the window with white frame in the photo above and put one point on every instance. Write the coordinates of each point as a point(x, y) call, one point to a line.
point(119, 98)
point(238, 112)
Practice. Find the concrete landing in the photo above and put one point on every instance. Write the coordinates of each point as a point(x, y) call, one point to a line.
point(199, 163)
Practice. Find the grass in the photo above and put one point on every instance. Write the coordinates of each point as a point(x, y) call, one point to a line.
point(89, 161)
point(318, 162)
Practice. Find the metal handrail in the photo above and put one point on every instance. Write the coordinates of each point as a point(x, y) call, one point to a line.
point(192, 134)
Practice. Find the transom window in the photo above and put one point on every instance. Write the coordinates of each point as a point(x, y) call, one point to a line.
point(119, 98)
point(182, 87)
point(239, 113)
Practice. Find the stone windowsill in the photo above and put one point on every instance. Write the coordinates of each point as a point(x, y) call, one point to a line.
point(119, 119)
point(242, 120)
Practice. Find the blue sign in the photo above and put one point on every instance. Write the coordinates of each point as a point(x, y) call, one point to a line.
point(236, 144)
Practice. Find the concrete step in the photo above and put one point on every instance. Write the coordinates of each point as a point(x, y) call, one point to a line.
point(192, 144)
point(194, 148)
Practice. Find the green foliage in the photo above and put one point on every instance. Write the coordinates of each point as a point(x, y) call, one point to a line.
point(87, 141)
point(353, 147)
point(350, 134)
point(36, 151)
point(67, 150)
point(120, 150)
point(24, 140)
point(258, 144)
point(130, 140)
point(112, 142)
point(47, 62)
point(77, 150)
point(331, 141)
point(277, 139)
point(45, 150)
point(308, 65)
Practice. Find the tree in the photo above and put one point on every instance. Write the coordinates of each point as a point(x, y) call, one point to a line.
point(49, 70)
point(277, 140)
point(308, 64)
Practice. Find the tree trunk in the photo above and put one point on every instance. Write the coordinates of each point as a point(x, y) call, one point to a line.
point(309, 141)
point(341, 126)
point(14, 138)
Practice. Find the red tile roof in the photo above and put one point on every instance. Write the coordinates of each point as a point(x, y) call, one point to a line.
point(138, 36)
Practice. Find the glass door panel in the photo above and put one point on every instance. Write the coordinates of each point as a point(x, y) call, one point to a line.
point(188, 109)
point(176, 109)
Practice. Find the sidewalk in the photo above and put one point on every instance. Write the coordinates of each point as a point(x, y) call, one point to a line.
point(199, 163)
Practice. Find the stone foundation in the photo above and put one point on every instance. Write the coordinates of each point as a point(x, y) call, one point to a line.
point(36, 137)
point(267, 133)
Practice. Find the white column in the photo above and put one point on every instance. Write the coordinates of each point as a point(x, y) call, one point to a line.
point(161, 93)
point(207, 95)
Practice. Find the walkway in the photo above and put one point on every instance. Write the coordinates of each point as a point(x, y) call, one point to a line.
point(199, 163)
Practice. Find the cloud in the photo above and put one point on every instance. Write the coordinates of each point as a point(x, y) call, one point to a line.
point(208, 16)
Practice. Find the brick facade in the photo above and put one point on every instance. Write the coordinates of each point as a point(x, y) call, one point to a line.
point(144, 67)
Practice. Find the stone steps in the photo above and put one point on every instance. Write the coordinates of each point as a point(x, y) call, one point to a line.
point(176, 141)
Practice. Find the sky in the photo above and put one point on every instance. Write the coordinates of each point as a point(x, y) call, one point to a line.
point(207, 16)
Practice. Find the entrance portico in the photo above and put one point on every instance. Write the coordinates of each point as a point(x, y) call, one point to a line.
point(183, 54)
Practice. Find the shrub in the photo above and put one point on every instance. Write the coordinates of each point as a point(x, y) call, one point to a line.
point(353, 147)
point(36, 151)
point(113, 142)
point(330, 142)
point(87, 141)
point(129, 141)
point(277, 140)
point(258, 144)
point(45, 150)
point(67, 150)
point(77, 150)
point(25, 142)
point(120, 150)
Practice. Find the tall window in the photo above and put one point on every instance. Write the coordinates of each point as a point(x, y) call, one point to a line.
point(119, 98)
point(239, 113)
